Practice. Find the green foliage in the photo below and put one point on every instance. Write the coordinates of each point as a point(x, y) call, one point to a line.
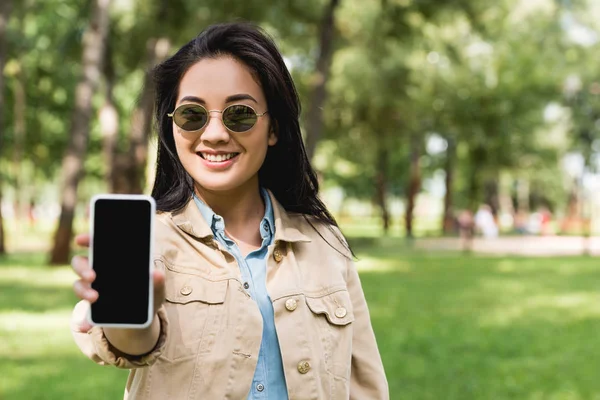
point(476, 73)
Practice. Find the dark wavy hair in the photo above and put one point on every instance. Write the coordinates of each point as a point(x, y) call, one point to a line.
point(286, 170)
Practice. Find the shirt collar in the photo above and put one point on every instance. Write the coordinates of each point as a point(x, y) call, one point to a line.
point(190, 220)
point(217, 224)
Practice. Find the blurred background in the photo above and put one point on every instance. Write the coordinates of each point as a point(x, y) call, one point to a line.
point(457, 144)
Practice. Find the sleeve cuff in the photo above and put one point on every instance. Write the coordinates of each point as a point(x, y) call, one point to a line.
point(111, 356)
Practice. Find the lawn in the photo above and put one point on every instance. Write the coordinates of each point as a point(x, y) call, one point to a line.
point(449, 326)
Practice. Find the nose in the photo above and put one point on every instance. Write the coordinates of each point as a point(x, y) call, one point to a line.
point(215, 131)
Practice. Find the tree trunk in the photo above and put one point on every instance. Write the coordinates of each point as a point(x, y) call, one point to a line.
point(157, 51)
point(381, 197)
point(72, 167)
point(491, 196)
point(109, 122)
point(20, 131)
point(477, 158)
point(5, 9)
point(572, 213)
point(314, 115)
point(414, 183)
point(449, 218)
point(523, 196)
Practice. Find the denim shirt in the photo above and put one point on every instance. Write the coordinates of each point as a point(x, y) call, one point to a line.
point(269, 379)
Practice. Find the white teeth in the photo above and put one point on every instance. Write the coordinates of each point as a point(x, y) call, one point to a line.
point(218, 157)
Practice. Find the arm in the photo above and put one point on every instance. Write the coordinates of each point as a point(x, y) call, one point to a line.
point(367, 377)
point(96, 346)
point(125, 348)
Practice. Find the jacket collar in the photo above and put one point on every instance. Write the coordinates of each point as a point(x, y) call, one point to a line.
point(286, 230)
point(190, 220)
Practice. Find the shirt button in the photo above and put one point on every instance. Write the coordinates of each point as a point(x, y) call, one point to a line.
point(246, 285)
point(291, 304)
point(277, 255)
point(260, 387)
point(266, 226)
point(341, 312)
point(303, 367)
point(186, 290)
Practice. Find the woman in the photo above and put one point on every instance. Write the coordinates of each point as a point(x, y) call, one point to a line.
point(257, 294)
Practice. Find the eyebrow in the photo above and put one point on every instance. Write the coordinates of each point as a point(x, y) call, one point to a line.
point(229, 99)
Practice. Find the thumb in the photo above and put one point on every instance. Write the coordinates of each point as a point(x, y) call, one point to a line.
point(79, 322)
point(158, 278)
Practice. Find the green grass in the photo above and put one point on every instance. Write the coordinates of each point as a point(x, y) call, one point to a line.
point(38, 358)
point(449, 326)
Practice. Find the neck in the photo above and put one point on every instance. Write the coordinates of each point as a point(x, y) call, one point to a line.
point(241, 207)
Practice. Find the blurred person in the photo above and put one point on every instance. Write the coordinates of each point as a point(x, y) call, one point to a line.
point(465, 229)
point(31, 213)
point(520, 222)
point(485, 222)
point(545, 222)
point(238, 203)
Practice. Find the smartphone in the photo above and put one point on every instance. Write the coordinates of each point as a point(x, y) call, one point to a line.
point(121, 241)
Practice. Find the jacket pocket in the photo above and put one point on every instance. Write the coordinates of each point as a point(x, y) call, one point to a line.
point(333, 315)
point(195, 309)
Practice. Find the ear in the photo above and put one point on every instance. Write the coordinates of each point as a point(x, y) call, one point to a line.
point(272, 136)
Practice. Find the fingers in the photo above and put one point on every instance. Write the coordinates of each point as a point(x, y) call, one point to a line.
point(159, 278)
point(159, 288)
point(84, 291)
point(83, 240)
point(82, 287)
point(82, 268)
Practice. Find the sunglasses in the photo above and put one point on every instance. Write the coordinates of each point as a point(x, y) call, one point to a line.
point(236, 117)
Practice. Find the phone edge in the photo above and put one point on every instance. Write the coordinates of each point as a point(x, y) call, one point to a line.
point(152, 202)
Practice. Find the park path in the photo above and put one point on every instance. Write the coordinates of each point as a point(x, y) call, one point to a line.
point(518, 245)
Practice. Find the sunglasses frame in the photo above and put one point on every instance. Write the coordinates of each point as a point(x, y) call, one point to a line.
point(171, 115)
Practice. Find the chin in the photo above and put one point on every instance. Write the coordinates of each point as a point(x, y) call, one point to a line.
point(218, 185)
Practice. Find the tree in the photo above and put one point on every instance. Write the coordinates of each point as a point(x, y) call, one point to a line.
point(72, 168)
point(314, 117)
point(5, 9)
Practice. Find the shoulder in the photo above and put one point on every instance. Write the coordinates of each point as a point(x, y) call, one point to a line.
point(166, 232)
point(324, 237)
point(163, 217)
point(163, 223)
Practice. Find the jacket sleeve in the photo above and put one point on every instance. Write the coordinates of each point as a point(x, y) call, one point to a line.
point(97, 348)
point(367, 377)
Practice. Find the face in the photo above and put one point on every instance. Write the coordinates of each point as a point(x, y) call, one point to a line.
point(219, 160)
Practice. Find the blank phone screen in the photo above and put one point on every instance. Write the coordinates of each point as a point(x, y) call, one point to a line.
point(121, 240)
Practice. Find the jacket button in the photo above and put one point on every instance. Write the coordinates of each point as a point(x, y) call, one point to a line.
point(291, 304)
point(277, 255)
point(340, 312)
point(303, 367)
point(186, 290)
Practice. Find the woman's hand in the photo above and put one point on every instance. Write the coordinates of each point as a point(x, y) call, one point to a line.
point(83, 286)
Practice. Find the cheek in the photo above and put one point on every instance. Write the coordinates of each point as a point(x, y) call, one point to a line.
point(178, 145)
point(183, 150)
point(182, 144)
point(258, 147)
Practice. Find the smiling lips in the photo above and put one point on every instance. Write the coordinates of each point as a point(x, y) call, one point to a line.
point(218, 162)
point(217, 158)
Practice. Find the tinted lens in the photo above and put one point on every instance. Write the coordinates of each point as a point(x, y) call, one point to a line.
point(190, 117)
point(239, 118)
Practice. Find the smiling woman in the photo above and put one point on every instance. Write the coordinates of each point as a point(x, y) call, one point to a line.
point(219, 138)
point(257, 294)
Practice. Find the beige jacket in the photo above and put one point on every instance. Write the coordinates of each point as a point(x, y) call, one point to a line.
point(211, 329)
